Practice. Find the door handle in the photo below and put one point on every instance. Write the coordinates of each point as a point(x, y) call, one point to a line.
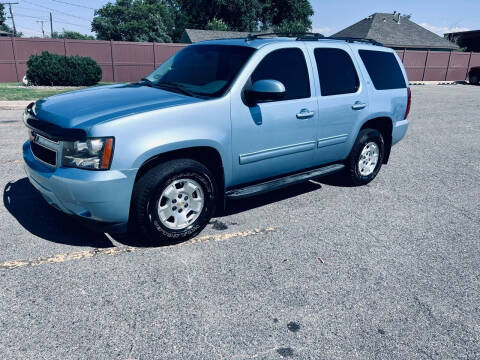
point(359, 105)
point(305, 114)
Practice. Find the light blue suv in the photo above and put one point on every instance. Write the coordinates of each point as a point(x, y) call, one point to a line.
point(220, 120)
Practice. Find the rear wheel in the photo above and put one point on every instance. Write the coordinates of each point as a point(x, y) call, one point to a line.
point(173, 201)
point(474, 79)
point(366, 157)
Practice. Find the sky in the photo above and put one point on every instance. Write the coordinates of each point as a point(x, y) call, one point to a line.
point(439, 16)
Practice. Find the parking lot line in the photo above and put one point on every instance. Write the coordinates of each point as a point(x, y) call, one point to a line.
point(86, 254)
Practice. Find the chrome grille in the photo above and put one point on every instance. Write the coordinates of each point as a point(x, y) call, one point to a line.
point(44, 149)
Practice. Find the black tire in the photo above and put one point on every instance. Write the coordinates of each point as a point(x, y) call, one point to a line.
point(474, 79)
point(353, 174)
point(144, 218)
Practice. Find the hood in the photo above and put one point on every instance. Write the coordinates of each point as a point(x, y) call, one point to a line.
point(85, 108)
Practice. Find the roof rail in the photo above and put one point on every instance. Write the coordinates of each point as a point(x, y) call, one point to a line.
point(354, 39)
point(308, 36)
point(298, 35)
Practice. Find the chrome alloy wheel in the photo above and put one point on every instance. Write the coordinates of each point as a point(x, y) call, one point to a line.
point(368, 159)
point(180, 204)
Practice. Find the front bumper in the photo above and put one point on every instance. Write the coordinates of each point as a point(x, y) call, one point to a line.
point(98, 196)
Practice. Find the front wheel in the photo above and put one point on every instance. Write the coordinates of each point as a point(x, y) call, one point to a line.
point(366, 157)
point(173, 201)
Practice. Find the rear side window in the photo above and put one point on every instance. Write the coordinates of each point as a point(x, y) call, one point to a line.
point(290, 68)
point(383, 69)
point(336, 71)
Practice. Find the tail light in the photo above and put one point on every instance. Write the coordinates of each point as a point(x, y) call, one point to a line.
point(409, 102)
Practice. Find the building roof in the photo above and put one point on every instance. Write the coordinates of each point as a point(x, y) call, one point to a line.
point(396, 31)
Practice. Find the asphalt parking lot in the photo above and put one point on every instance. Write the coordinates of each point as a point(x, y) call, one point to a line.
point(317, 271)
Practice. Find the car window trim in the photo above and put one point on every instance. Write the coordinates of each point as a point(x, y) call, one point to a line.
point(249, 79)
point(370, 77)
point(359, 87)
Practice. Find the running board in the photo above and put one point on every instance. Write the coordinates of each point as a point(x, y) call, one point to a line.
point(271, 185)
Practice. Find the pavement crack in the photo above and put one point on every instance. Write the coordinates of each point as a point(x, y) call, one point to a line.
point(425, 308)
point(113, 251)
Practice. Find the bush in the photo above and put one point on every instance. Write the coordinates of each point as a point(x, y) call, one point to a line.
point(59, 70)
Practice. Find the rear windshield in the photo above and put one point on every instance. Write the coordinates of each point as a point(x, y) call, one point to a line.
point(383, 69)
point(202, 69)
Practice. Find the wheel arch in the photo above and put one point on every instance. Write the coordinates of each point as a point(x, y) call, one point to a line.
point(206, 155)
point(384, 125)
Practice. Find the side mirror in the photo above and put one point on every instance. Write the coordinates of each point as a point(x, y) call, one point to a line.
point(265, 90)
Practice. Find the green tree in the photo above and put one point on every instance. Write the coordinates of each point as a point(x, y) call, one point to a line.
point(246, 15)
point(217, 24)
point(135, 20)
point(294, 27)
point(165, 20)
point(3, 19)
point(287, 15)
point(238, 15)
point(67, 34)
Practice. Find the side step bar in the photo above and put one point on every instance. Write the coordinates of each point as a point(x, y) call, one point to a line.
point(271, 185)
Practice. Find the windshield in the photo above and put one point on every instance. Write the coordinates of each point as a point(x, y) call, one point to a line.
point(206, 70)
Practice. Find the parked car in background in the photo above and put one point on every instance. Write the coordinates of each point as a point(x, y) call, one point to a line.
point(474, 75)
point(219, 120)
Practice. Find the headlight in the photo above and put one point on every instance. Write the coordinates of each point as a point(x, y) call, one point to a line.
point(94, 153)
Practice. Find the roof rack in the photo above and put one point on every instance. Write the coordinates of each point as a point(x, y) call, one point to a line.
point(308, 36)
point(354, 39)
point(298, 35)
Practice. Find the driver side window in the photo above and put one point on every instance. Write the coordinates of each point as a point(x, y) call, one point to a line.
point(290, 68)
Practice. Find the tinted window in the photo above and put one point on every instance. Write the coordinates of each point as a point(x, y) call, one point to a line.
point(383, 69)
point(290, 68)
point(336, 71)
point(203, 69)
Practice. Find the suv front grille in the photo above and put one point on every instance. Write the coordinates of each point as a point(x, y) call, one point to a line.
point(43, 154)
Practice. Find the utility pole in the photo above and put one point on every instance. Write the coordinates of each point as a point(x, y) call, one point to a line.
point(51, 26)
point(11, 15)
point(43, 30)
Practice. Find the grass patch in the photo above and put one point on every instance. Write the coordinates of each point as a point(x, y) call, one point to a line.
point(14, 91)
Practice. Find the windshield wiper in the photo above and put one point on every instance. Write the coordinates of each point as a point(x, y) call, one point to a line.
point(175, 86)
point(147, 82)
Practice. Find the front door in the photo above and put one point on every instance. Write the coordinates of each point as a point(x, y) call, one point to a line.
point(278, 137)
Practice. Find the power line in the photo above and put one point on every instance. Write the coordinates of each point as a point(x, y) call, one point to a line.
point(31, 9)
point(33, 32)
point(28, 16)
point(47, 14)
point(72, 4)
point(64, 22)
point(58, 11)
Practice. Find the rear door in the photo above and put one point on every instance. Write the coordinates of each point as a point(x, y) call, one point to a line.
point(342, 100)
